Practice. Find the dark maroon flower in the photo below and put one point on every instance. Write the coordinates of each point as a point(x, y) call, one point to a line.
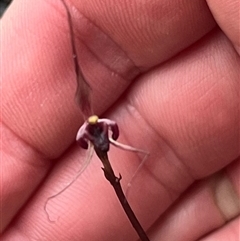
point(96, 130)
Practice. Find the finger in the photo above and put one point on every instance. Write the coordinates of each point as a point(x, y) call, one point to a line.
point(207, 206)
point(192, 104)
point(150, 32)
point(226, 14)
point(22, 169)
point(229, 232)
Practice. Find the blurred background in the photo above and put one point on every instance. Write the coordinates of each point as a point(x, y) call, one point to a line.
point(3, 5)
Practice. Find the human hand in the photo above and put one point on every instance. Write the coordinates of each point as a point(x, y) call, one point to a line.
point(168, 73)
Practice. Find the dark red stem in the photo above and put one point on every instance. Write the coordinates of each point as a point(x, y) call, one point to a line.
point(115, 182)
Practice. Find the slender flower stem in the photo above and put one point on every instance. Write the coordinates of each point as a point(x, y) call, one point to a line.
point(115, 182)
point(95, 131)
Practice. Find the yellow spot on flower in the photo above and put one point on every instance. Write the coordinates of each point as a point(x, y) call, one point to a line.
point(92, 120)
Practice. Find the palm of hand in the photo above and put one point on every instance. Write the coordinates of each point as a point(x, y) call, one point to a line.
point(183, 111)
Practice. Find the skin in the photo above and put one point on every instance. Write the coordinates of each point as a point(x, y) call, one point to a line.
point(167, 73)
